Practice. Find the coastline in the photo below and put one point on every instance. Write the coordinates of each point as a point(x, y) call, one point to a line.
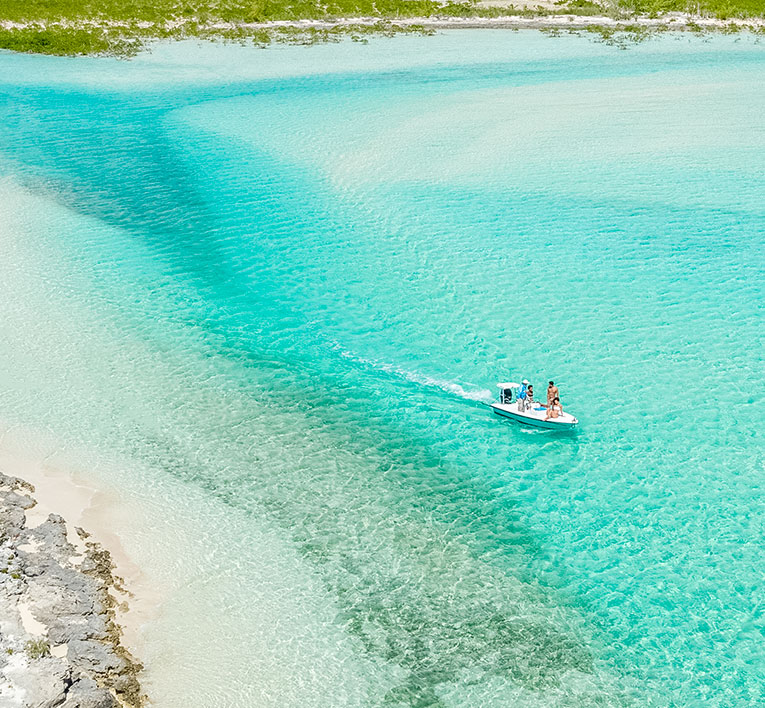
point(670, 20)
point(69, 627)
point(181, 589)
point(85, 36)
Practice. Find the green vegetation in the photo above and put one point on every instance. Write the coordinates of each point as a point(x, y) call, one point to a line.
point(587, 8)
point(37, 648)
point(625, 36)
point(72, 27)
point(120, 27)
point(126, 40)
point(63, 41)
point(213, 10)
point(721, 9)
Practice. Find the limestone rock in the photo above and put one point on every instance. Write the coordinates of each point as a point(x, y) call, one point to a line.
point(47, 601)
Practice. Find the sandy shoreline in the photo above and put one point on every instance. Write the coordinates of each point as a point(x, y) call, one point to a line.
point(61, 491)
point(672, 21)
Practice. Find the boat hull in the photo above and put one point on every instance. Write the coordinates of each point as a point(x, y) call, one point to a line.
point(536, 418)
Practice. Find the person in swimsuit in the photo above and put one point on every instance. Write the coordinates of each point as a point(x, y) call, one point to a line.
point(552, 393)
point(555, 409)
point(530, 396)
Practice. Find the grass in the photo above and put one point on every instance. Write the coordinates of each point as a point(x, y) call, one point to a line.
point(722, 9)
point(37, 648)
point(63, 41)
point(71, 27)
point(208, 10)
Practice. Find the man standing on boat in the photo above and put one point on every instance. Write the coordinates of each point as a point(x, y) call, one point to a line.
point(552, 393)
point(523, 402)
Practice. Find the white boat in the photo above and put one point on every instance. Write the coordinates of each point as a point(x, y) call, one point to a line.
point(510, 406)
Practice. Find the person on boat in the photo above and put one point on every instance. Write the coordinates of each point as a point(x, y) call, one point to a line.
point(555, 409)
point(552, 393)
point(522, 395)
point(530, 396)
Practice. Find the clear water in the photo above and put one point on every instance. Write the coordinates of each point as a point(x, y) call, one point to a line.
point(276, 286)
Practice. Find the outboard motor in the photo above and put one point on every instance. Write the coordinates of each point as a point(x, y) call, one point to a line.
point(507, 395)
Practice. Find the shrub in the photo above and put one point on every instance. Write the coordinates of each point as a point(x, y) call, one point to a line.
point(37, 648)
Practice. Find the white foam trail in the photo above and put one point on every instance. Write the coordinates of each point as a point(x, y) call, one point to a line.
point(414, 377)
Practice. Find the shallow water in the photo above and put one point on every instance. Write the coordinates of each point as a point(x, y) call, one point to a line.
point(276, 287)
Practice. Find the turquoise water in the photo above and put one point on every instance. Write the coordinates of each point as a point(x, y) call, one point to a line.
point(280, 285)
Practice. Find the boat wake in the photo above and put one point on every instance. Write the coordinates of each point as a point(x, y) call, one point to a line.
point(481, 395)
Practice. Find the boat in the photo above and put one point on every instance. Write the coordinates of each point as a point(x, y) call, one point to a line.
point(509, 406)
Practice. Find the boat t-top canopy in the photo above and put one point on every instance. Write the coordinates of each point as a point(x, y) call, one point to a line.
point(508, 385)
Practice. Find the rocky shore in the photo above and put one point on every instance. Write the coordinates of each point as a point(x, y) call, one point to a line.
point(60, 644)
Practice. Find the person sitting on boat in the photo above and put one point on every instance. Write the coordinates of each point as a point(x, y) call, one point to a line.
point(552, 393)
point(555, 409)
point(530, 396)
point(522, 395)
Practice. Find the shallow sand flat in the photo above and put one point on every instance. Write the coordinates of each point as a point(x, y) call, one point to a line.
point(229, 591)
point(210, 63)
point(156, 630)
